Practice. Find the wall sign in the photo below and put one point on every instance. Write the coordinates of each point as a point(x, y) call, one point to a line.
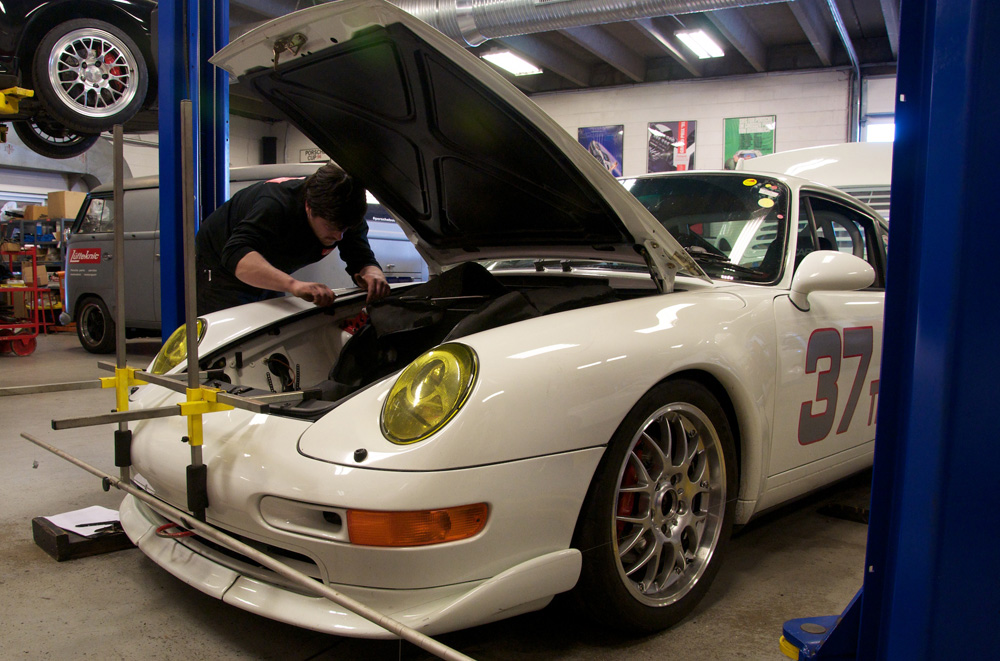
point(748, 137)
point(670, 146)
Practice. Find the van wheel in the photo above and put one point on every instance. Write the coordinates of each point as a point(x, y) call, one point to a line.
point(94, 326)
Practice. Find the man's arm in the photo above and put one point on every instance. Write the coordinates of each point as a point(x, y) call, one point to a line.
point(256, 271)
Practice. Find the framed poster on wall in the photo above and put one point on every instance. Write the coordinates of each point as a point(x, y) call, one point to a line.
point(670, 146)
point(605, 143)
point(748, 137)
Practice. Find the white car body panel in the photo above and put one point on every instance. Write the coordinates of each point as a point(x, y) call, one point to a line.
point(550, 392)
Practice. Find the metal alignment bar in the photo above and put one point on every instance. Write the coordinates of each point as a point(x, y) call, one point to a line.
point(118, 416)
point(310, 585)
point(11, 391)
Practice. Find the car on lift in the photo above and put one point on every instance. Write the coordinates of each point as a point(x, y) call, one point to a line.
point(598, 382)
point(90, 64)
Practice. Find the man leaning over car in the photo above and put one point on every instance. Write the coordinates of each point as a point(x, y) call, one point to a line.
point(247, 248)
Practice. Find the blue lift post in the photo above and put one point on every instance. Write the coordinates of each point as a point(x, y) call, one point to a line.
point(931, 589)
point(189, 32)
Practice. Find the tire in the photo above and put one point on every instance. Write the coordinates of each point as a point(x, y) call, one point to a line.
point(94, 326)
point(89, 75)
point(657, 519)
point(52, 140)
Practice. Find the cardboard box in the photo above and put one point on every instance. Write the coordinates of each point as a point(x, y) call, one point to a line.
point(40, 275)
point(65, 203)
point(35, 211)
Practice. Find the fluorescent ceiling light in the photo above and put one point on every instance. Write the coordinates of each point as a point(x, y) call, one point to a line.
point(699, 43)
point(512, 63)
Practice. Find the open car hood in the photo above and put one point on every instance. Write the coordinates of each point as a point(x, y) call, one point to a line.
point(469, 165)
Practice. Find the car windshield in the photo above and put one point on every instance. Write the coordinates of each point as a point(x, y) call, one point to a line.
point(733, 225)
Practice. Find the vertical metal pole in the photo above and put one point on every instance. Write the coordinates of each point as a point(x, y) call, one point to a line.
point(119, 266)
point(190, 274)
point(123, 437)
point(197, 487)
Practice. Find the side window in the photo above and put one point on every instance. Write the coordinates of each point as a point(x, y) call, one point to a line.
point(97, 218)
point(834, 226)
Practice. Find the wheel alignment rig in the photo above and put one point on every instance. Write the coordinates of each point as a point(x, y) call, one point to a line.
point(200, 400)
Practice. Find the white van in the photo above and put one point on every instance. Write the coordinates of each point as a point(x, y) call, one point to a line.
point(863, 169)
point(89, 295)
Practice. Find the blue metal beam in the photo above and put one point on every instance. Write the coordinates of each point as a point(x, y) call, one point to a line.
point(930, 588)
point(189, 33)
point(934, 543)
point(173, 86)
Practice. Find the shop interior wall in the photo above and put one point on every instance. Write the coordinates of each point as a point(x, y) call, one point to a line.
point(811, 109)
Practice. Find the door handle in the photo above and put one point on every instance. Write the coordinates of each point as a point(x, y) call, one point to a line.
point(108, 257)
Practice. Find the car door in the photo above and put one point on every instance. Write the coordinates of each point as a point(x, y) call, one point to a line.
point(829, 355)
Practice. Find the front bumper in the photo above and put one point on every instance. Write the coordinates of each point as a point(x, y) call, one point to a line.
point(525, 587)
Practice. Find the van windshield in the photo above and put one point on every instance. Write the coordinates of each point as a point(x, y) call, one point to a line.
point(97, 217)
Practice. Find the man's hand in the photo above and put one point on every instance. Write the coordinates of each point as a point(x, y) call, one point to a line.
point(372, 280)
point(314, 292)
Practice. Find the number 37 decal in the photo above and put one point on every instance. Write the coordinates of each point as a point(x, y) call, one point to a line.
point(825, 343)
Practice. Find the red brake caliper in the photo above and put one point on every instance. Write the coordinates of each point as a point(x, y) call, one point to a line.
point(115, 71)
point(626, 501)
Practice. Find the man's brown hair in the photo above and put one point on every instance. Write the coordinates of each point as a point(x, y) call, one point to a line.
point(336, 196)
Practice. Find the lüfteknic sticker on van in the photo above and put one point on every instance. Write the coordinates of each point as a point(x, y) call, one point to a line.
point(85, 256)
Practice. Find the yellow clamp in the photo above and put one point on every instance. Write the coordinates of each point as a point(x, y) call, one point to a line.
point(123, 379)
point(10, 97)
point(200, 401)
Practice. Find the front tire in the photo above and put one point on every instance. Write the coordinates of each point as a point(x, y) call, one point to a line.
point(659, 513)
point(95, 327)
point(89, 75)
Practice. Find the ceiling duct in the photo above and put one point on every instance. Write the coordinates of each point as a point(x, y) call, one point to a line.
point(476, 21)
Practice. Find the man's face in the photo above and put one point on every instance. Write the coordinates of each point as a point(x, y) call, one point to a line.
point(325, 230)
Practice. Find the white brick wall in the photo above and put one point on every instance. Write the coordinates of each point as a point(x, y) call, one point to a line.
point(811, 110)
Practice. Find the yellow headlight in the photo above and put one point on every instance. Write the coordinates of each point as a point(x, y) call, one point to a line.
point(174, 350)
point(428, 393)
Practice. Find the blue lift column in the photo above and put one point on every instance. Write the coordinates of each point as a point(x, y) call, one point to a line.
point(931, 589)
point(189, 32)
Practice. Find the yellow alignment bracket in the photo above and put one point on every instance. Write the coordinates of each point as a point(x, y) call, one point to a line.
point(200, 401)
point(123, 379)
point(10, 97)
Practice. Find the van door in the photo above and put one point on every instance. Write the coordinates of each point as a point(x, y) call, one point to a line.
point(141, 212)
point(88, 258)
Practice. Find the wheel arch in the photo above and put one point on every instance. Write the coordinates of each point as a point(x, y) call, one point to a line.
point(747, 423)
point(721, 394)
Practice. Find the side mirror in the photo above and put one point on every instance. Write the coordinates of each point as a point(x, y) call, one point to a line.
point(829, 270)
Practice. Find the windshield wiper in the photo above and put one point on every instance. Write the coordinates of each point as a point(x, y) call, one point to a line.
point(719, 260)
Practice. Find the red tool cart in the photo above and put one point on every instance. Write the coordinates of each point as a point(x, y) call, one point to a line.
point(19, 335)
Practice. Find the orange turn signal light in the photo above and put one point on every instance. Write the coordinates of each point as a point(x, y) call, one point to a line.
point(417, 528)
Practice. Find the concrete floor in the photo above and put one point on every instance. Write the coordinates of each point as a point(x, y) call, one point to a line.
point(795, 562)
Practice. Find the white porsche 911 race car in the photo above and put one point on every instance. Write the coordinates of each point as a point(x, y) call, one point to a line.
point(598, 381)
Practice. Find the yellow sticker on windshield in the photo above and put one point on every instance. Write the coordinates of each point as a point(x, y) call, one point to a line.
point(749, 182)
point(765, 202)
